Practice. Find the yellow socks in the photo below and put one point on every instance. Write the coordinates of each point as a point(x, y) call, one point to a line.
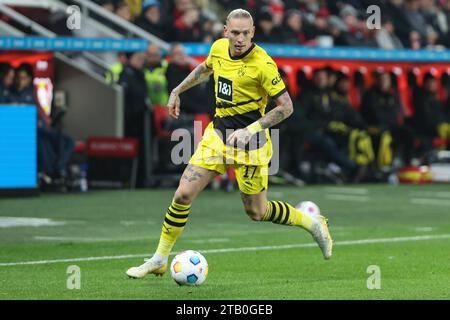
point(173, 225)
point(283, 213)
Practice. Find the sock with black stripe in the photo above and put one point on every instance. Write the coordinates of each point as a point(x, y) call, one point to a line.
point(174, 222)
point(281, 212)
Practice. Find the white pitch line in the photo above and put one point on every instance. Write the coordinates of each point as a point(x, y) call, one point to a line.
point(242, 249)
point(428, 201)
point(353, 191)
point(431, 194)
point(342, 197)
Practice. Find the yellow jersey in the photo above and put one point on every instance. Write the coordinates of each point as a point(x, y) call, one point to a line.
point(242, 86)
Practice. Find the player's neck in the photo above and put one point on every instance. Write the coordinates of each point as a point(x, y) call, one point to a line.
point(235, 56)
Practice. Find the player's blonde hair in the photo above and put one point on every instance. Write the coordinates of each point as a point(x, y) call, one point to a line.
point(239, 14)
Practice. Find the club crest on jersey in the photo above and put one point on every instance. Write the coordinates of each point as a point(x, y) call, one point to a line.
point(241, 71)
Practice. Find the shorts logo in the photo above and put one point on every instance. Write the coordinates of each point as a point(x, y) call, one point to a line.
point(276, 80)
point(225, 89)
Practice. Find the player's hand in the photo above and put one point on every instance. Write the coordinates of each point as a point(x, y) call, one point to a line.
point(174, 104)
point(239, 137)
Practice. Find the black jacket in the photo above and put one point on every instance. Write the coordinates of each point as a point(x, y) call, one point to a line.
point(428, 112)
point(135, 92)
point(382, 109)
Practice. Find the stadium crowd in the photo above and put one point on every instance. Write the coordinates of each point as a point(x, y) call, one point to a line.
point(404, 23)
point(328, 134)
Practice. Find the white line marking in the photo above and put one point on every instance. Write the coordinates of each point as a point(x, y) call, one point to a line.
point(214, 240)
point(12, 222)
point(354, 191)
point(242, 249)
point(423, 229)
point(432, 194)
point(341, 197)
point(87, 239)
point(428, 201)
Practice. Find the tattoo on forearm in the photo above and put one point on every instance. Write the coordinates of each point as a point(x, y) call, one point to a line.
point(190, 174)
point(278, 114)
point(200, 73)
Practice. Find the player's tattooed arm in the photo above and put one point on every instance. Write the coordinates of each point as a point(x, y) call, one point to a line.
point(282, 111)
point(198, 75)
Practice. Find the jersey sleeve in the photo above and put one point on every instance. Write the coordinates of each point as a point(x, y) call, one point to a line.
point(209, 59)
point(271, 80)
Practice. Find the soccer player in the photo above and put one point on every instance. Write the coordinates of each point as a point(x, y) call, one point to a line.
point(244, 77)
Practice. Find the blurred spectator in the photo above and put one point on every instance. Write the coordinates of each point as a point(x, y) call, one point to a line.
point(108, 5)
point(136, 115)
point(266, 31)
point(211, 29)
point(386, 37)
point(113, 74)
point(155, 76)
point(54, 147)
point(123, 10)
point(197, 99)
point(136, 99)
point(429, 119)
point(319, 113)
point(232, 4)
point(415, 18)
point(355, 33)
point(346, 123)
point(6, 81)
point(292, 30)
point(187, 26)
point(150, 19)
point(319, 27)
point(403, 29)
point(135, 8)
point(23, 85)
point(277, 10)
point(382, 109)
point(181, 6)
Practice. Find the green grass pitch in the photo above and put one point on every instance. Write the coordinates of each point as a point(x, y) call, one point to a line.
point(404, 230)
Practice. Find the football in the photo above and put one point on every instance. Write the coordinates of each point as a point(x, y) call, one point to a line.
point(308, 207)
point(189, 268)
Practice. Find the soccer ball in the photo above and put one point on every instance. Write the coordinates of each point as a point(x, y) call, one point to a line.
point(308, 207)
point(189, 268)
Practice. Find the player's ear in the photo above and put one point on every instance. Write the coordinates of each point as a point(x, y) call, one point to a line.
point(253, 31)
point(225, 30)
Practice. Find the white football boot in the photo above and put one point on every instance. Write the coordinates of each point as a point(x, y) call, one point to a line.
point(321, 234)
point(155, 266)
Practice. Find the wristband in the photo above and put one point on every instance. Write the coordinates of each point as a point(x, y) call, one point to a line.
point(255, 127)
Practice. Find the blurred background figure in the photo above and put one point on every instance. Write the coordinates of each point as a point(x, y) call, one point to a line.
point(150, 19)
point(6, 82)
point(155, 76)
point(136, 108)
point(383, 111)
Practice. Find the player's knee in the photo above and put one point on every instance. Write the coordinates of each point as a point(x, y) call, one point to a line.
point(183, 196)
point(254, 213)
